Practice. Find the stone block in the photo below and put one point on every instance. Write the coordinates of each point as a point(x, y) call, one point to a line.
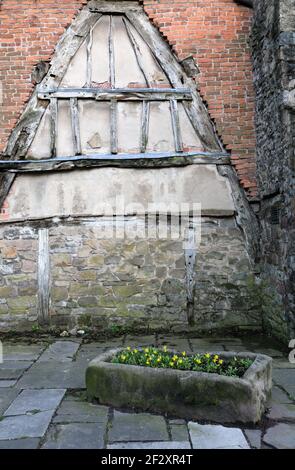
point(137, 427)
point(216, 437)
point(183, 394)
point(75, 436)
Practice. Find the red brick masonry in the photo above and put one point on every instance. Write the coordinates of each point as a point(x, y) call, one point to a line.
point(215, 32)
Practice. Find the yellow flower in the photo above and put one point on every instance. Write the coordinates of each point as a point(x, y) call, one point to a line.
point(159, 359)
point(135, 351)
point(165, 348)
point(180, 361)
point(123, 358)
point(220, 361)
point(146, 350)
point(171, 364)
point(216, 356)
point(175, 357)
point(198, 361)
point(207, 355)
point(147, 363)
point(184, 353)
point(128, 349)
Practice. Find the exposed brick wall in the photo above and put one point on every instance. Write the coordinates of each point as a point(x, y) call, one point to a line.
point(215, 32)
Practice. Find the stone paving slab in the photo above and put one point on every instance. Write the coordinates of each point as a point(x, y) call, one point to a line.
point(279, 396)
point(140, 341)
point(286, 379)
point(86, 353)
point(254, 437)
point(22, 352)
point(18, 427)
point(75, 436)
point(60, 351)
point(13, 370)
point(281, 436)
point(69, 375)
point(27, 443)
point(178, 344)
point(6, 397)
point(7, 383)
point(29, 401)
point(71, 411)
point(137, 427)
point(179, 432)
point(216, 437)
point(282, 412)
point(200, 345)
point(21, 365)
point(151, 445)
point(11, 374)
point(283, 363)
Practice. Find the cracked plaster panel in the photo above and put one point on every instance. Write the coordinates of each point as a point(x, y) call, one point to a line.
point(160, 137)
point(129, 119)
point(64, 140)
point(76, 75)
point(189, 136)
point(127, 71)
point(40, 147)
point(82, 192)
point(94, 126)
point(100, 52)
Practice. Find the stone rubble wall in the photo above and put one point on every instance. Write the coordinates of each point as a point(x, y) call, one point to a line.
point(140, 282)
point(273, 44)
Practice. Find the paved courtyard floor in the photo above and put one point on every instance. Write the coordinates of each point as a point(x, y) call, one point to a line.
point(43, 402)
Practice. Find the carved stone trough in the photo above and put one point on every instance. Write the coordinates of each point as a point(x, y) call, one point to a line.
point(183, 394)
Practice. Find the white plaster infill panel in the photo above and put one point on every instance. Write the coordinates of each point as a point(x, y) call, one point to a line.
point(95, 192)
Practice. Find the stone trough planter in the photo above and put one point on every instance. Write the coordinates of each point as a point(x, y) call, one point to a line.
point(183, 394)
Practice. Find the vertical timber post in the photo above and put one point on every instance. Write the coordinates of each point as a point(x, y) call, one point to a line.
point(190, 254)
point(43, 277)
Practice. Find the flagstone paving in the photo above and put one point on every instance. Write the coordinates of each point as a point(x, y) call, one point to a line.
point(43, 401)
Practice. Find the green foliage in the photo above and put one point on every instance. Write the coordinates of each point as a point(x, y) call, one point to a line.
point(85, 320)
point(156, 358)
point(35, 328)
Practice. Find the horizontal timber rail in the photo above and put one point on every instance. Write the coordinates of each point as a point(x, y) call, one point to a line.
point(121, 161)
point(119, 94)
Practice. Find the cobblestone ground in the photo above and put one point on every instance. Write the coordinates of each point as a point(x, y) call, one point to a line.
point(43, 404)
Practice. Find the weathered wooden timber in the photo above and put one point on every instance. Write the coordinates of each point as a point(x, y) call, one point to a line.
point(120, 94)
point(149, 160)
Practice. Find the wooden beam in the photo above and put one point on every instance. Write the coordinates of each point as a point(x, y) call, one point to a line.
point(113, 127)
point(89, 58)
point(75, 126)
point(136, 50)
point(111, 55)
point(53, 126)
point(120, 94)
point(43, 277)
point(176, 126)
point(145, 118)
point(149, 160)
